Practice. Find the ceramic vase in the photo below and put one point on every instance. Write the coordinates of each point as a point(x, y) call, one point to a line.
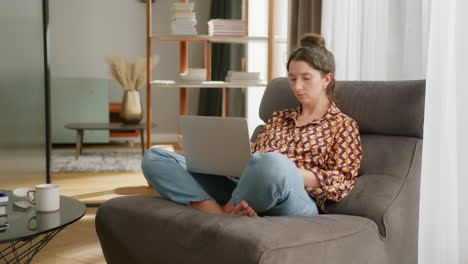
point(132, 112)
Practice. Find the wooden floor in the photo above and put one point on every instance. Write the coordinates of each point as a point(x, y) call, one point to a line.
point(78, 243)
point(96, 188)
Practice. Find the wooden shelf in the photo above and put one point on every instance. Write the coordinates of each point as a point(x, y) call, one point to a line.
point(207, 41)
point(204, 84)
point(213, 39)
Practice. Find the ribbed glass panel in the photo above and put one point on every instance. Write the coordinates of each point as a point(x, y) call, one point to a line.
point(22, 86)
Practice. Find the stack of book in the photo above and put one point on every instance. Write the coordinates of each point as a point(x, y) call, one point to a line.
point(194, 75)
point(243, 77)
point(3, 198)
point(183, 19)
point(3, 211)
point(226, 27)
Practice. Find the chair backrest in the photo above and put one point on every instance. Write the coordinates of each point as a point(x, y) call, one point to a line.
point(380, 107)
point(390, 115)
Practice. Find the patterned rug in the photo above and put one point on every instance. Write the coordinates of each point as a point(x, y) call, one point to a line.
point(91, 160)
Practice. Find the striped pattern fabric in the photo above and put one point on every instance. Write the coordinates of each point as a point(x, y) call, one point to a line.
point(330, 147)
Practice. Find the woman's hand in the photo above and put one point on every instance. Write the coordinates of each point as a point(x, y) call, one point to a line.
point(310, 179)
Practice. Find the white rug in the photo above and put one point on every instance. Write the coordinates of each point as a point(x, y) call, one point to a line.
point(125, 160)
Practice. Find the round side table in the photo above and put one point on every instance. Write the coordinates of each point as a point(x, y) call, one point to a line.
point(29, 231)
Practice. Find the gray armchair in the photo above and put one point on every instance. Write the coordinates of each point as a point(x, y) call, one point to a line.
point(376, 223)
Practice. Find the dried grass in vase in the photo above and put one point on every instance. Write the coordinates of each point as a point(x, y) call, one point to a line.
point(130, 75)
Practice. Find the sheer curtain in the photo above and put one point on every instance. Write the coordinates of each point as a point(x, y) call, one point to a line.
point(443, 225)
point(377, 40)
point(395, 40)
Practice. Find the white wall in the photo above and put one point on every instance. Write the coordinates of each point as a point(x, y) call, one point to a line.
point(84, 32)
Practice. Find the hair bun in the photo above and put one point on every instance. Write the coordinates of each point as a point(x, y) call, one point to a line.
point(312, 39)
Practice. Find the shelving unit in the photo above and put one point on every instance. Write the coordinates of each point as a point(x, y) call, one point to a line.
point(183, 65)
point(213, 39)
point(204, 84)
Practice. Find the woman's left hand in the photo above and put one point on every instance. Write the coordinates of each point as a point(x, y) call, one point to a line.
point(310, 179)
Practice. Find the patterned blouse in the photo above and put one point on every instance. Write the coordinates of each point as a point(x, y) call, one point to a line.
point(330, 147)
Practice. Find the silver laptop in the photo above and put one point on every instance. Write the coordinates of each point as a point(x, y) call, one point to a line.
point(215, 145)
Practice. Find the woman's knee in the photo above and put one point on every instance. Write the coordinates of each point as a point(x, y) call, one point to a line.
point(150, 155)
point(269, 168)
point(156, 159)
point(268, 158)
point(155, 153)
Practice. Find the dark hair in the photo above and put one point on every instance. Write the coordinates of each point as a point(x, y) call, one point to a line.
point(314, 53)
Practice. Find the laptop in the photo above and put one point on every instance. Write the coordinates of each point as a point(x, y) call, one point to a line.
point(216, 145)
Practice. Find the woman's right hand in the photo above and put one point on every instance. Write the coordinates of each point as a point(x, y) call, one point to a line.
point(310, 179)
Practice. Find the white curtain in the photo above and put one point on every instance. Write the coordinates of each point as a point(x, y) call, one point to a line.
point(443, 225)
point(395, 40)
point(377, 40)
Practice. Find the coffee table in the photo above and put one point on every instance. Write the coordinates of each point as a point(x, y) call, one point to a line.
point(29, 231)
point(81, 127)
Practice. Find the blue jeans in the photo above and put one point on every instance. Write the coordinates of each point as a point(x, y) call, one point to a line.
point(271, 183)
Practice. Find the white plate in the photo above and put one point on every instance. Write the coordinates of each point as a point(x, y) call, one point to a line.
point(22, 204)
point(21, 192)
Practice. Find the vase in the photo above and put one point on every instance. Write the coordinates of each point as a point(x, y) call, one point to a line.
point(131, 108)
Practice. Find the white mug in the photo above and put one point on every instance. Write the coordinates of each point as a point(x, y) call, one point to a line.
point(46, 197)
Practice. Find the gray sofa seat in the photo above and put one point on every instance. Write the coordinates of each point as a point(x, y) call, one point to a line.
point(189, 236)
point(376, 223)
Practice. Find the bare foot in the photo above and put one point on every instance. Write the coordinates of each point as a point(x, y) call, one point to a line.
point(212, 207)
point(208, 206)
point(243, 208)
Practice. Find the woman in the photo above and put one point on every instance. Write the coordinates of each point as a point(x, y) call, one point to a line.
point(303, 156)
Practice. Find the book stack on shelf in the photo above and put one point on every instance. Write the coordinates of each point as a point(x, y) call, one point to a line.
point(183, 19)
point(193, 75)
point(226, 27)
point(243, 77)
